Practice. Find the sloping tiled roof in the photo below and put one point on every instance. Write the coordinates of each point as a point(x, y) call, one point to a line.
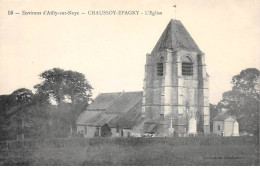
point(86, 116)
point(103, 100)
point(102, 119)
point(222, 117)
point(127, 120)
point(175, 36)
point(125, 102)
point(115, 109)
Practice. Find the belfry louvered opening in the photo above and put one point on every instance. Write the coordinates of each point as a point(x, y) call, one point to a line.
point(187, 66)
point(160, 69)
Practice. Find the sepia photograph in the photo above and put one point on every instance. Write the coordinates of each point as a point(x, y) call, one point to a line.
point(129, 83)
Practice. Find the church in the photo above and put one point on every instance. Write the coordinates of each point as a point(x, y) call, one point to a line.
point(174, 100)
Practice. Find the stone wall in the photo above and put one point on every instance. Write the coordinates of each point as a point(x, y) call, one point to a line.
point(228, 128)
point(89, 131)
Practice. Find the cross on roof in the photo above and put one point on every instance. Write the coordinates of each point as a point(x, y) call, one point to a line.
point(175, 10)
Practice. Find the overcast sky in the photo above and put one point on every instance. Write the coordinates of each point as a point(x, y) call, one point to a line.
point(111, 50)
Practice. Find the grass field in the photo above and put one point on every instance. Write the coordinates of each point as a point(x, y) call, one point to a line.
point(134, 152)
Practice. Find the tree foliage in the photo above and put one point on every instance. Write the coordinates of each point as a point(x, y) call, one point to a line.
point(243, 100)
point(69, 89)
point(64, 85)
point(14, 107)
point(22, 96)
point(33, 115)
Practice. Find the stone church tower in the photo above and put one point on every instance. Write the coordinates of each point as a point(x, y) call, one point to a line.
point(175, 85)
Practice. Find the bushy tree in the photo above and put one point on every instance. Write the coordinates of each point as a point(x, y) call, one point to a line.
point(23, 113)
point(22, 96)
point(64, 86)
point(15, 113)
point(69, 89)
point(243, 100)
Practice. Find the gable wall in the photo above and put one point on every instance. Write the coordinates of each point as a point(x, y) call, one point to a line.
point(228, 128)
point(215, 127)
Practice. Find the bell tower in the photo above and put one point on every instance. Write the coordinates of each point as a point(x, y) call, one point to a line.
point(175, 84)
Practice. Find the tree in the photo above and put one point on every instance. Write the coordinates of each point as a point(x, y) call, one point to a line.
point(64, 86)
point(5, 104)
point(27, 115)
point(16, 113)
point(77, 87)
point(247, 82)
point(22, 96)
point(243, 100)
point(67, 88)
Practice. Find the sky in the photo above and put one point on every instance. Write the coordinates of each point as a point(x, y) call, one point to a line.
point(111, 50)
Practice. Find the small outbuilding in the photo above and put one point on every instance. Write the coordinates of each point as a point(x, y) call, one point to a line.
point(225, 125)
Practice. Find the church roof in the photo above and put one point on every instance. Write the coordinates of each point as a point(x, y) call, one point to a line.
point(127, 120)
point(125, 102)
point(103, 101)
point(222, 117)
point(174, 37)
point(123, 109)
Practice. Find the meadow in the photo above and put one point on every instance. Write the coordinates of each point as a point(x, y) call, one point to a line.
point(206, 150)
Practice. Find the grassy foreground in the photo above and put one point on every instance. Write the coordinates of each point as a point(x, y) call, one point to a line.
point(134, 151)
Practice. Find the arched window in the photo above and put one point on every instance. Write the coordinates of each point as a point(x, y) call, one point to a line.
point(187, 66)
point(160, 67)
